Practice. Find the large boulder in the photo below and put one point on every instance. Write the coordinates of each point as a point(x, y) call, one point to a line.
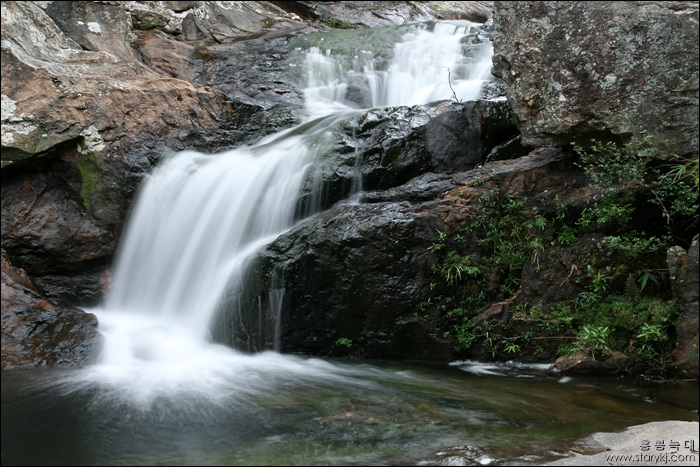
point(565, 65)
point(52, 237)
point(350, 280)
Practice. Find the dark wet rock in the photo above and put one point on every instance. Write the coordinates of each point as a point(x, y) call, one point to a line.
point(565, 64)
point(386, 148)
point(683, 271)
point(36, 332)
point(426, 187)
point(359, 271)
point(48, 233)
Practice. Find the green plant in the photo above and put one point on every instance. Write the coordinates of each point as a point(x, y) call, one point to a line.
point(652, 337)
point(695, 352)
point(566, 235)
point(145, 26)
point(593, 339)
point(652, 333)
point(599, 280)
point(464, 335)
point(512, 347)
point(337, 24)
point(454, 265)
point(344, 341)
point(632, 291)
point(623, 170)
point(439, 242)
point(644, 277)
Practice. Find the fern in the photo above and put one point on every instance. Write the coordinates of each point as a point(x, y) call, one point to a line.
point(632, 292)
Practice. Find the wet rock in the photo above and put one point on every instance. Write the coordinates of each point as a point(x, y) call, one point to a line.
point(359, 271)
point(36, 332)
point(385, 148)
point(683, 271)
point(360, 14)
point(580, 363)
point(48, 233)
point(565, 64)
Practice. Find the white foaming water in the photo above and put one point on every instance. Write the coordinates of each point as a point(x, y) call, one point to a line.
point(525, 370)
point(429, 65)
point(199, 219)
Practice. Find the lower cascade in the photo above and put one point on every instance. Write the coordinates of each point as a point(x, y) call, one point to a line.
point(199, 219)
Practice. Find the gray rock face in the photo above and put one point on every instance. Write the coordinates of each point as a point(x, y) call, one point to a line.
point(565, 64)
point(683, 270)
point(625, 446)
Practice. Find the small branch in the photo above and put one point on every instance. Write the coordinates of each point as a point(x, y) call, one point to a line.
point(573, 268)
point(449, 81)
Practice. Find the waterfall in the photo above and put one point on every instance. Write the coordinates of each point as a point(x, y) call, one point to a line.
point(199, 219)
point(432, 61)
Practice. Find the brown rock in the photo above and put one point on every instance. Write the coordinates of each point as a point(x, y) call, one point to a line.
point(38, 333)
point(616, 362)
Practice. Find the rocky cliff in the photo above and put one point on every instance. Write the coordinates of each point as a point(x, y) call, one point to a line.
point(95, 93)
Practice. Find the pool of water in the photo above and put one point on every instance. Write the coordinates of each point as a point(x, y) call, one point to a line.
point(378, 413)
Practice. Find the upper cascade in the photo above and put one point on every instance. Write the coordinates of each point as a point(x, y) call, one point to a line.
point(405, 65)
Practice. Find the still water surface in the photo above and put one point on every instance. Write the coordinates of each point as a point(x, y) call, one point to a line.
point(324, 413)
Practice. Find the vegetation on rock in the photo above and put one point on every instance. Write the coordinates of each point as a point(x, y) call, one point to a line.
point(623, 300)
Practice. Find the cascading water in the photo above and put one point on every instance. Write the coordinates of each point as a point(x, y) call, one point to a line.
point(430, 62)
point(164, 394)
point(200, 219)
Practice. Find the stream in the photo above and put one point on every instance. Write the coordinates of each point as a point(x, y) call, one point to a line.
point(162, 393)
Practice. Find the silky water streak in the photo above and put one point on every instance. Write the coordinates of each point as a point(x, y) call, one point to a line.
point(199, 219)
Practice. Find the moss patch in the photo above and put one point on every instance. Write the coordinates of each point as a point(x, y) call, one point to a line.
point(90, 173)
